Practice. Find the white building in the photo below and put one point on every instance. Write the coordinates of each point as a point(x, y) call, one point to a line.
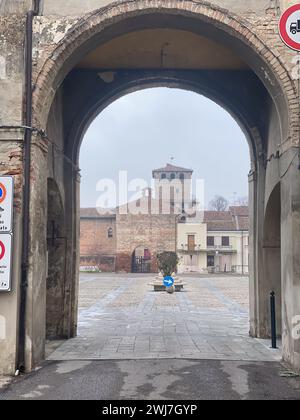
point(218, 244)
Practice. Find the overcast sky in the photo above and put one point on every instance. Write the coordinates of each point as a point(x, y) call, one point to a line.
point(143, 130)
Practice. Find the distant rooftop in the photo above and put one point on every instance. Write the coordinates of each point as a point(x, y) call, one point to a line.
point(235, 219)
point(97, 213)
point(173, 168)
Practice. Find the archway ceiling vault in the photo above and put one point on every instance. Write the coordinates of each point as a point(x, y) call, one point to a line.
point(162, 48)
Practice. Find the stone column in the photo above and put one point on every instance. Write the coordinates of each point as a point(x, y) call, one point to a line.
point(258, 303)
point(290, 255)
point(72, 209)
point(252, 254)
point(11, 156)
point(37, 273)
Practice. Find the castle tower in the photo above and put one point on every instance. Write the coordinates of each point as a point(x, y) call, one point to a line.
point(173, 183)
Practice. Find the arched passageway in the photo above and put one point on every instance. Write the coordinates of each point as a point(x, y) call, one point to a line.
point(272, 256)
point(83, 76)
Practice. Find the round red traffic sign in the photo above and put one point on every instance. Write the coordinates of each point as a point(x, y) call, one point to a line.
point(289, 27)
point(3, 192)
point(2, 250)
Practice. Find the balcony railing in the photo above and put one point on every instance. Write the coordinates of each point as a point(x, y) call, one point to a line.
point(189, 248)
point(199, 248)
point(221, 248)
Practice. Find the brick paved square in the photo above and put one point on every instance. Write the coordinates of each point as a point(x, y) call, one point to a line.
point(121, 317)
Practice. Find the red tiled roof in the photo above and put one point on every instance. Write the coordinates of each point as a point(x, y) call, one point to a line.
point(172, 168)
point(217, 215)
point(239, 211)
point(236, 218)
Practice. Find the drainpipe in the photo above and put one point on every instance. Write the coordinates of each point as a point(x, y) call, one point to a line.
point(26, 184)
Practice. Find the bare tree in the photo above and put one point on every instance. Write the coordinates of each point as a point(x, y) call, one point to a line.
point(219, 203)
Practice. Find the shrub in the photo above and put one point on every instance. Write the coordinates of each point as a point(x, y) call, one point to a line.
point(167, 263)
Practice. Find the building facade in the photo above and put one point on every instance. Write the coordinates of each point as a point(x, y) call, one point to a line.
point(129, 238)
point(220, 243)
point(97, 241)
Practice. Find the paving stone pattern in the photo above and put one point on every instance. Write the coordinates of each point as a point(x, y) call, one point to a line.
point(121, 317)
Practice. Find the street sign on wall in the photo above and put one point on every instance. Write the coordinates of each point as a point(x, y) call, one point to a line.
point(5, 262)
point(6, 203)
point(289, 27)
point(6, 228)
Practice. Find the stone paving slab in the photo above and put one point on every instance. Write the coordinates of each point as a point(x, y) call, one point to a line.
point(127, 320)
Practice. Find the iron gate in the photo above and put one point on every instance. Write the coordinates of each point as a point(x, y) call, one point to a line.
point(141, 265)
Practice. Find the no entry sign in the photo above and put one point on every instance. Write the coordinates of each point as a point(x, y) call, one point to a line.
point(6, 217)
point(5, 262)
point(289, 27)
point(6, 203)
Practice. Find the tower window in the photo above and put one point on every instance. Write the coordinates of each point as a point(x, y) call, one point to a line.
point(181, 176)
point(173, 176)
point(163, 176)
point(110, 233)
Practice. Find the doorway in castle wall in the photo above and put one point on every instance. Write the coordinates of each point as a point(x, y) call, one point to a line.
point(141, 260)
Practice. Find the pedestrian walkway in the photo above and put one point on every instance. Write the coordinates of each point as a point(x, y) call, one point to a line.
point(122, 318)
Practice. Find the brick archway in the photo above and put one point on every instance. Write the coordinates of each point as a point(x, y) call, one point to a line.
point(282, 124)
point(85, 33)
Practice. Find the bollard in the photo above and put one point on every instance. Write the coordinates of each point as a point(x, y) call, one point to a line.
point(273, 320)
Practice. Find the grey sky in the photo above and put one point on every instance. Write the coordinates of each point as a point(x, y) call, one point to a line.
point(143, 130)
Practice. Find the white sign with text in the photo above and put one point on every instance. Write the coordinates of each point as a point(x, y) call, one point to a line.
point(5, 262)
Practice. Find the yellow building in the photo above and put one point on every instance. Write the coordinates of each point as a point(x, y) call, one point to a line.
point(217, 244)
point(191, 246)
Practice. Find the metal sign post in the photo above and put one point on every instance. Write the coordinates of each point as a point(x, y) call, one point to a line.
point(6, 228)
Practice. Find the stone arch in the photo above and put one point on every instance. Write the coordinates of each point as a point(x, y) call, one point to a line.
point(88, 111)
point(86, 33)
point(125, 16)
point(142, 259)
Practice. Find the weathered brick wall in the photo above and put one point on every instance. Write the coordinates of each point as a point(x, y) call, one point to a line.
point(12, 35)
point(266, 27)
point(77, 7)
point(154, 232)
point(94, 237)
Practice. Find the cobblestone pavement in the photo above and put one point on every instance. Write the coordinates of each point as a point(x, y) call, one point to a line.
point(120, 317)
